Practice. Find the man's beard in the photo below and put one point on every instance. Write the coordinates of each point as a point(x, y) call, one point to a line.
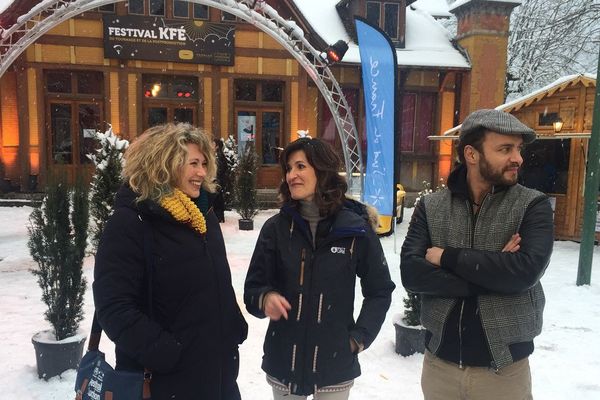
point(496, 177)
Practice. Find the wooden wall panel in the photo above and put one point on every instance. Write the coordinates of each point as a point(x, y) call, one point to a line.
point(560, 217)
point(272, 66)
point(246, 65)
point(114, 104)
point(208, 105)
point(32, 117)
point(311, 107)
point(186, 67)
point(8, 106)
point(56, 54)
point(574, 189)
point(247, 39)
point(162, 66)
point(224, 108)
point(350, 75)
point(88, 28)
point(61, 29)
point(294, 111)
point(269, 43)
point(134, 108)
point(9, 124)
point(89, 55)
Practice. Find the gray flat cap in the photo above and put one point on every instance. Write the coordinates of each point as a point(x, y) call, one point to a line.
point(496, 121)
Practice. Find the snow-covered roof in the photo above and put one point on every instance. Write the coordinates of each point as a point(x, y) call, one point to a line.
point(459, 3)
point(4, 5)
point(437, 8)
point(557, 86)
point(427, 43)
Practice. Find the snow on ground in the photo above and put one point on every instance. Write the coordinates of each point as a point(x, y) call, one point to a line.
point(565, 364)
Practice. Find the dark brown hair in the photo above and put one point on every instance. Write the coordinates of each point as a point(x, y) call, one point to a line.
point(474, 138)
point(331, 187)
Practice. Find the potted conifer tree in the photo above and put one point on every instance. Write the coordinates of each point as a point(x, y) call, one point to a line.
point(57, 242)
point(246, 203)
point(410, 335)
point(228, 178)
point(108, 159)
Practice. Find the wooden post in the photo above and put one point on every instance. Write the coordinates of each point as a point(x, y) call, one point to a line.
point(590, 198)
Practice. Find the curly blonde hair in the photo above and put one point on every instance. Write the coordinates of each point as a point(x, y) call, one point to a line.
point(153, 162)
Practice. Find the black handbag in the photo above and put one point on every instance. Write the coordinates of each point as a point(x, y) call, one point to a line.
point(97, 379)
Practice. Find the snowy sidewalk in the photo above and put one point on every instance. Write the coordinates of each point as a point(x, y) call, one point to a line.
point(565, 364)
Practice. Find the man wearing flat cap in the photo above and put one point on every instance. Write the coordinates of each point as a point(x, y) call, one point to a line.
point(476, 252)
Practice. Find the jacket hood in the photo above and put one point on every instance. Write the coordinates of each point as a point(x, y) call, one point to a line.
point(366, 211)
point(351, 219)
point(126, 198)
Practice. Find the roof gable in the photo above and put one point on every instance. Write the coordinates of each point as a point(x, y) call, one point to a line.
point(557, 86)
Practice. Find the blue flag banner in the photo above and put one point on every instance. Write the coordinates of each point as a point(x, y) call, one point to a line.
point(378, 64)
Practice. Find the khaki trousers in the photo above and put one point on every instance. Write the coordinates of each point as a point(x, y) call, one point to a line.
point(443, 380)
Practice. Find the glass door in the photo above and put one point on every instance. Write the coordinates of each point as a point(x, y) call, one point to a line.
point(184, 114)
point(89, 123)
point(72, 126)
point(156, 116)
point(163, 114)
point(271, 136)
point(61, 143)
point(246, 128)
point(265, 128)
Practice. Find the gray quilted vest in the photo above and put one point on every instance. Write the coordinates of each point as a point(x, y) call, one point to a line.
point(506, 319)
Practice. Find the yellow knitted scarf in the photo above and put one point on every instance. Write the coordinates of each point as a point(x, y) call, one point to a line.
point(183, 209)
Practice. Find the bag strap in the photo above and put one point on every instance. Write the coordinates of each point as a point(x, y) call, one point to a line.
point(96, 331)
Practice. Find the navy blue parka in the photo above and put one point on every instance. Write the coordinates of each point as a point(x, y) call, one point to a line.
point(311, 349)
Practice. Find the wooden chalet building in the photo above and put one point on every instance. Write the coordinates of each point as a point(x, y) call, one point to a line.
point(561, 114)
point(82, 75)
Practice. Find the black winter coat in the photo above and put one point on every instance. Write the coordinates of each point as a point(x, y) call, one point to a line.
point(190, 344)
point(312, 347)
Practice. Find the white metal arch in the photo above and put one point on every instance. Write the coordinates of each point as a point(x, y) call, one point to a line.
point(46, 15)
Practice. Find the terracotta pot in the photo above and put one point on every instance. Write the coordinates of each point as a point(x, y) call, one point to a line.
point(54, 357)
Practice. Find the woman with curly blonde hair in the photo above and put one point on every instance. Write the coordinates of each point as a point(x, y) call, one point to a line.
point(188, 336)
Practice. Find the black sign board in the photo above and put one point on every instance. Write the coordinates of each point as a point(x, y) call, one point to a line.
point(159, 39)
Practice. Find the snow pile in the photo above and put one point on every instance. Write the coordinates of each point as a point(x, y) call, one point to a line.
point(568, 342)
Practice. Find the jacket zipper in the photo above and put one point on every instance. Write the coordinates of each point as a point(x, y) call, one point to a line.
point(478, 305)
point(460, 361)
point(306, 353)
point(302, 262)
point(462, 306)
point(303, 265)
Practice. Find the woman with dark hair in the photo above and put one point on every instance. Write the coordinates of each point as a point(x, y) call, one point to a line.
point(303, 274)
point(177, 318)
